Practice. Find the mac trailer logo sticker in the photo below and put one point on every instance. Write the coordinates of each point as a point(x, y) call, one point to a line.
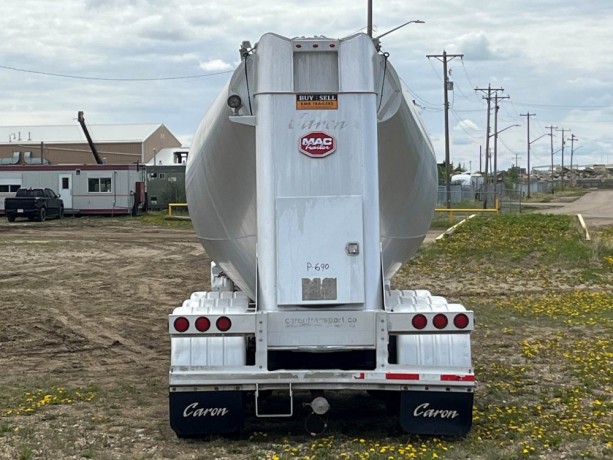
point(317, 144)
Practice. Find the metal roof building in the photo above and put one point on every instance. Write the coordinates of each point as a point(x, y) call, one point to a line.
point(67, 144)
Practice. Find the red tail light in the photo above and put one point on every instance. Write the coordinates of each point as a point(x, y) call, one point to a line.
point(223, 323)
point(461, 321)
point(181, 324)
point(440, 321)
point(419, 321)
point(203, 324)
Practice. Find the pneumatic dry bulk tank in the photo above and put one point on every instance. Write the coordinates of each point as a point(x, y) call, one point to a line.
point(221, 169)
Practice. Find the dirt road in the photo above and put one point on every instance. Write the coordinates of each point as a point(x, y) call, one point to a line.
point(596, 207)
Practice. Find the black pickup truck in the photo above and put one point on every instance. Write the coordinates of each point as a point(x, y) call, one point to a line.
point(34, 203)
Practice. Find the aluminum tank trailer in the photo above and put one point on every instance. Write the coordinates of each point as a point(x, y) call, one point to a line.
point(310, 181)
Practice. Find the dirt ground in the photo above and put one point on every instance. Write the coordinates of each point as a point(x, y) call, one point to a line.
point(84, 303)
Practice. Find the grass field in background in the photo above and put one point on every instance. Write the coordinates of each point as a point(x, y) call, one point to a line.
point(542, 352)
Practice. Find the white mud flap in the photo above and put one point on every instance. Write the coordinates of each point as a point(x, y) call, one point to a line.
point(195, 414)
point(435, 413)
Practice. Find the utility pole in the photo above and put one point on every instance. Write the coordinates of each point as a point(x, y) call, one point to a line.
point(369, 19)
point(496, 108)
point(488, 98)
point(551, 129)
point(447, 86)
point(563, 143)
point(572, 139)
point(528, 115)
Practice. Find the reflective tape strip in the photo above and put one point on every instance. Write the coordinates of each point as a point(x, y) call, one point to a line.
point(457, 378)
point(425, 377)
point(401, 376)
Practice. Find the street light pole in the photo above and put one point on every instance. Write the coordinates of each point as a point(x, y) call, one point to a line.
point(562, 167)
point(551, 128)
point(528, 115)
point(573, 138)
point(496, 108)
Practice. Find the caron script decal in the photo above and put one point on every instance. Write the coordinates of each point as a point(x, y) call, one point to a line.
point(423, 411)
point(317, 144)
point(194, 411)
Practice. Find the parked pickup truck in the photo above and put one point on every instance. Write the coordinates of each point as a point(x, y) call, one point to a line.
point(34, 203)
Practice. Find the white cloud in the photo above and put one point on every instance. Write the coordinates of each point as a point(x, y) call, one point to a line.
point(215, 65)
point(552, 58)
point(476, 46)
point(466, 125)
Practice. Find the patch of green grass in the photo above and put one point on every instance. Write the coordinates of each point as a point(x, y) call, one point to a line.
point(26, 453)
point(513, 238)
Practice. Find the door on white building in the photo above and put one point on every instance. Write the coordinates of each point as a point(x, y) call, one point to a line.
point(66, 190)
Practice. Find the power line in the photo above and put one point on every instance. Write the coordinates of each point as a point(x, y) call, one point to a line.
point(578, 107)
point(455, 115)
point(472, 85)
point(79, 77)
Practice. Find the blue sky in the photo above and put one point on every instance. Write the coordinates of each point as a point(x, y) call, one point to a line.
point(163, 61)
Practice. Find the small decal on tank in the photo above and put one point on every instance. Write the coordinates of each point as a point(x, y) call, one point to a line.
point(316, 102)
point(317, 144)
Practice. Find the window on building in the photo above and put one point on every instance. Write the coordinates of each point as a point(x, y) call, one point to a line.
point(162, 175)
point(99, 185)
point(9, 188)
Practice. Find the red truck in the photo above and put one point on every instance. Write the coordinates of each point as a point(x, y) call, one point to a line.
point(34, 203)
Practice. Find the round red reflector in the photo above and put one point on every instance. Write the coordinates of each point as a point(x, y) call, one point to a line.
point(181, 324)
point(203, 324)
point(440, 321)
point(315, 45)
point(332, 45)
point(298, 45)
point(461, 321)
point(419, 321)
point(223, 323)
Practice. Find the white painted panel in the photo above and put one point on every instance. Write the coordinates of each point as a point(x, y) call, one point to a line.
point(313, 264)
